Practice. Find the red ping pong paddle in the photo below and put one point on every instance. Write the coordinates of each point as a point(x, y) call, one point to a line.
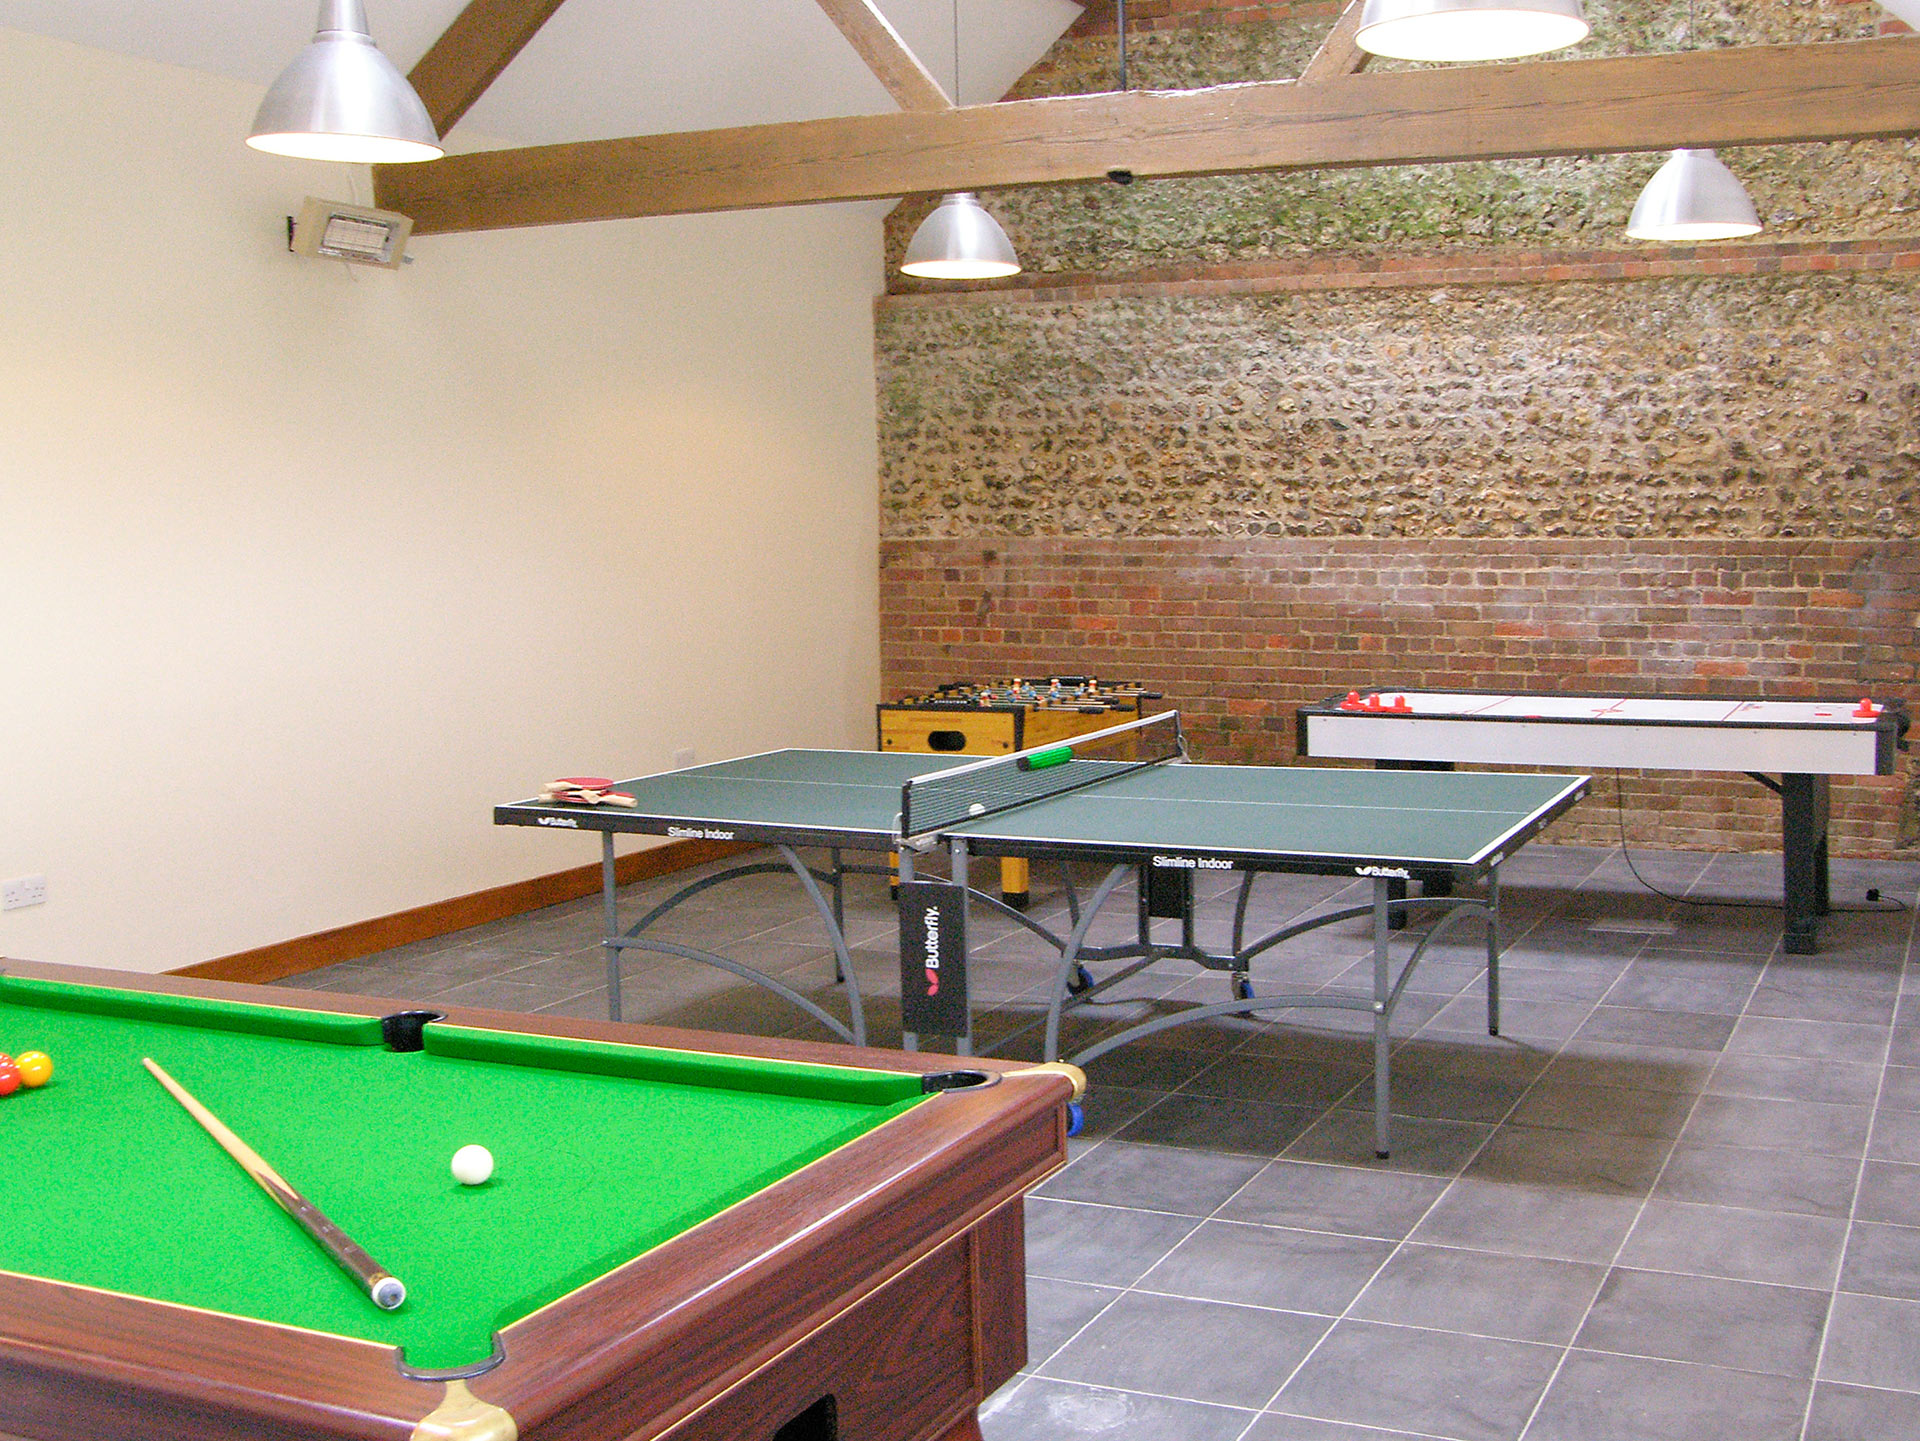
point(585, 791)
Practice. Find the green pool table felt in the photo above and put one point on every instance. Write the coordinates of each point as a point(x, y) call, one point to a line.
point(602, 1151)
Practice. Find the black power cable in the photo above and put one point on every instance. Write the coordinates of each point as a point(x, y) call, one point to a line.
point(1888, 906)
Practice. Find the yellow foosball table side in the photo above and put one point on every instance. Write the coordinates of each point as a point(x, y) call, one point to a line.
point(967, 719)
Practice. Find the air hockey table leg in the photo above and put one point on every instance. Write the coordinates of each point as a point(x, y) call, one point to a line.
point(1803, 827)
point(1432, 883)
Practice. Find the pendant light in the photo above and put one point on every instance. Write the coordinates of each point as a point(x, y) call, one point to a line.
point(1693, 197)
point(341, 99)
point(1469, 29)
point(959, 241)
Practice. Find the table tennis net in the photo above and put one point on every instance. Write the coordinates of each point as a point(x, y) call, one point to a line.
point(946, 799)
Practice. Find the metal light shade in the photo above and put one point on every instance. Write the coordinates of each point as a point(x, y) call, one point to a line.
point(341, 99)
point(960, 241)
point(1906, 11)
point(1469, 29)
point(1693, 197)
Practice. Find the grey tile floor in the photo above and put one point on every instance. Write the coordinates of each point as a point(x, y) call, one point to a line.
point(1678, 1200)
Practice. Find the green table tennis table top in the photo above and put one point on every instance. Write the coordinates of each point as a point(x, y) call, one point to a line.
point(1254, 815)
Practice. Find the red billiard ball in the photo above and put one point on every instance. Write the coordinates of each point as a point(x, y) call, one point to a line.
point(9, 1076)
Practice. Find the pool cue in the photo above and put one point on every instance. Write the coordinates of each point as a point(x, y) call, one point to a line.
point(382, 1286)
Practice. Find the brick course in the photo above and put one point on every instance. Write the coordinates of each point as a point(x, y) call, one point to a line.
point(1423, 269)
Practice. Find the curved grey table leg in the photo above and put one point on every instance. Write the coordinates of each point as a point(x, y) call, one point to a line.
point(834, 934)
point(1070, 953)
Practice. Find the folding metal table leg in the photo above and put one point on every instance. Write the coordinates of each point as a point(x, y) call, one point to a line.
point(957, 854)
point(610, 907)
point(909, 1040)
point(1382, 991)
point(1493, 951)
point(839, 906)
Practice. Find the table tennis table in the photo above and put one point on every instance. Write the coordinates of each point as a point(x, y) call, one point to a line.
point(1150, 815)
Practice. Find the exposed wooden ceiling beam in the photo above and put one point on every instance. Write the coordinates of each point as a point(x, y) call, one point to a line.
point(1752, 96)
point(887, 55)
point(464, 61)
point(1339, 54)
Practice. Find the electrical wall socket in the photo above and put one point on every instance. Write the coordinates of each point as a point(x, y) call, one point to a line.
point(23, 891)
point(683, 758)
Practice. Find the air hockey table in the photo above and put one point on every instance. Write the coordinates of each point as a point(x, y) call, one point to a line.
point(1804, 743)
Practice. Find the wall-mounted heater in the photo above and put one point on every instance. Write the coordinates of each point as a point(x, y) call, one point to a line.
point(359, 233)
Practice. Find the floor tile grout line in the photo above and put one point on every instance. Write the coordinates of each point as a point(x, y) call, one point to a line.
point(1859, 1183)
point(1839, 1271)
point(1134, 1288)
point(1478, 1336)
point(1705, 1365)
point(1034, 1368)
point(1254, 1413)
point(1640, 1211)
point(1499, 1335)
point(1512, 1255)
point(1567, 1349)
point(1404, 1240)
point(1361, 1431)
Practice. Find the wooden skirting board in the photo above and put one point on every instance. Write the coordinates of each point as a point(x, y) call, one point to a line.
point(364, 938)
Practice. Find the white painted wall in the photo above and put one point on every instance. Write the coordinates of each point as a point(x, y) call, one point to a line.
point(302, 568)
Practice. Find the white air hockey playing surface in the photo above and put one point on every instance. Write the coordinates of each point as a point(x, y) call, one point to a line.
point(1628, 708)
point(1812, 737)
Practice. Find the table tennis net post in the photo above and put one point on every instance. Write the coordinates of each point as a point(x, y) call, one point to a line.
point(944, 799)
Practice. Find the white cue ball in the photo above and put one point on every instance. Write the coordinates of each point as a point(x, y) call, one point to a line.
point(976, 809)
point(472, 1165)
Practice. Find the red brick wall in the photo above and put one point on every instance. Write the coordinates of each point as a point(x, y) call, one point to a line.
point(1238, 632)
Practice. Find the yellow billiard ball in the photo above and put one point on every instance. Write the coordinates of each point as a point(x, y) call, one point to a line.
point(36, 1068)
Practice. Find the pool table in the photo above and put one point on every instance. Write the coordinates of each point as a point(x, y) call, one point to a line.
point(690, 1236)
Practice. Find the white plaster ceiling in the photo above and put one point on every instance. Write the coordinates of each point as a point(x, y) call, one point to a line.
point(599, 68)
